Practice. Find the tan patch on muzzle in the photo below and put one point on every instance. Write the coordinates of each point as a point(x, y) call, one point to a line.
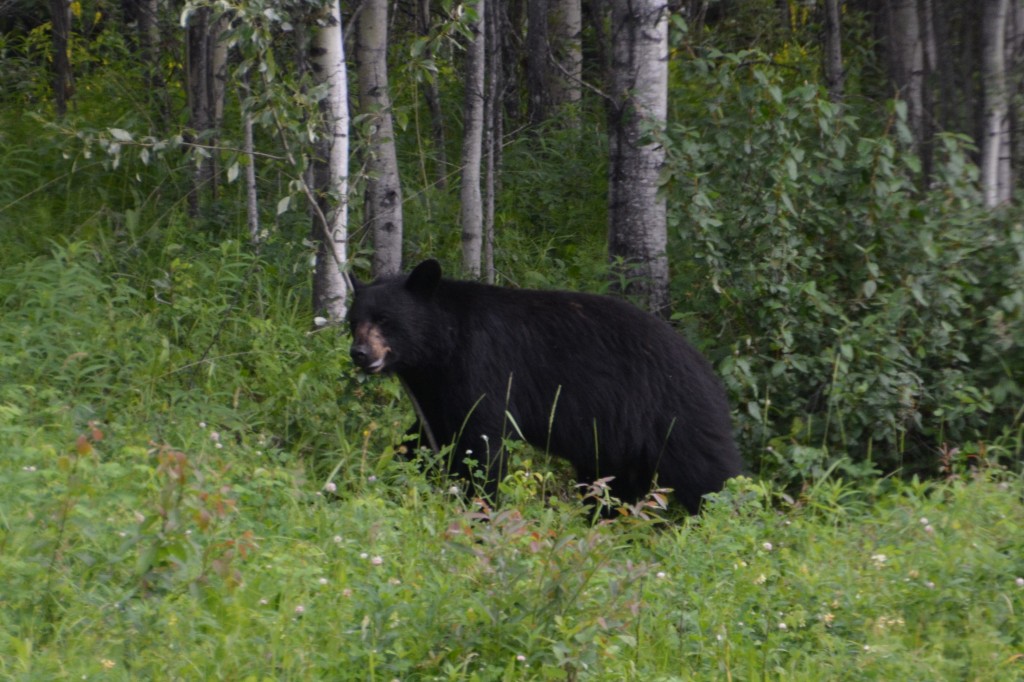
point(370, 346)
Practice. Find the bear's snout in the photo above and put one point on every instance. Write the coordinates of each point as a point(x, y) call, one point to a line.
point(369, 349)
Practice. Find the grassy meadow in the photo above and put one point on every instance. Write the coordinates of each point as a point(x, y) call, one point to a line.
point(194, 486)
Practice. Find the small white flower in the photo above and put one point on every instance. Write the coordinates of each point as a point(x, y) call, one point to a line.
point(520, 658)
point(1019, 582)
point(337, 539)
point(454, 490)
point(371, 478)
point(377, 560)
point(299, 610)
point(215, 436)
point(929, 529)
point(929, 584)
point(661, 575)
point(330, 486)
point(263, 602)
point(767, 546)
point(924, 520)
point(783, 626)
point(322, 581)
point(320, 321)
point(364, 555)
point(202, 425)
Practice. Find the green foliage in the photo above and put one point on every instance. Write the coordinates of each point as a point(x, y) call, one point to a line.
point(865, 315)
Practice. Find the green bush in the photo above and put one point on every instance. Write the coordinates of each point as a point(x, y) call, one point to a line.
point(865, 315)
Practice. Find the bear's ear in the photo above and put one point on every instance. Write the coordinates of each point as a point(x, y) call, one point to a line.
point(424, 277)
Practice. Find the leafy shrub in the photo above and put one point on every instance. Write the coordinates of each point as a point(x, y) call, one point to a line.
point(865, 315)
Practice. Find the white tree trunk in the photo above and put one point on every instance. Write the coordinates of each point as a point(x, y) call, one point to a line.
point(637, 230)
point(995, 143)
point(383, 205)
point(472, 143)
point(907, 46)
point(565, 27)
point(328, 61)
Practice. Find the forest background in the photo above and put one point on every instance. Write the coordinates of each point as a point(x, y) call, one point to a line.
point(197, 483)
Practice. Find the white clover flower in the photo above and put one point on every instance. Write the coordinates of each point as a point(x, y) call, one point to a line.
point(377, 560)
point(299, 610)
point(767, 546)
point(330, 486)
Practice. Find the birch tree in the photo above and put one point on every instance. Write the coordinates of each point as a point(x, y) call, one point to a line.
point(565, 26)
point(907, 65)
point(472, 143)
point(995, 142)
point(330, 224)
point(637, 231)
point(383, 203)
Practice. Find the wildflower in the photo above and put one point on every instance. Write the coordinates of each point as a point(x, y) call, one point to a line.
point(347, 592)
point(299, 610)
point(28, 468)
point(767, 546)
point(394, 581)
point(521, 658)
point(761, 579)
point(783, 626)
point(928, 529)
point(1019, 582)
point(107, 663)
point(929, 584)
point(202, 425)
point(364, 555)
point(377, 560)
point(337, 539)
point(264, 602)
point(215, 436)
point(371, 478)
point(322, 581)
point(661, 575)
point(827, 619)
point(330, 486)
point(879, 560)
point(924, 521)
point(454, 490)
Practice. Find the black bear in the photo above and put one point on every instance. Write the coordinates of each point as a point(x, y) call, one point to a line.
point(590, 378)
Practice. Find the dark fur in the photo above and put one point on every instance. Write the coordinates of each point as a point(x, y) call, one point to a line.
point(652, 400)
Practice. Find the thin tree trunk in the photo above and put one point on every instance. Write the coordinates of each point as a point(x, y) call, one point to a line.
point(491, 139)
point(537, 46)
point(565, 27)
point(637, 230)
point(60, 17)
point(432, 96)
point(995, 147)
point(907, 54)
point(330, 285)
point(469, 194)
point(252, 210)
point(200, 106)
point(833, 51)
point(383, 204)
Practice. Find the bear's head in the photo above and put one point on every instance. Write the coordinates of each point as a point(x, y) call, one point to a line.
point(394, 320)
